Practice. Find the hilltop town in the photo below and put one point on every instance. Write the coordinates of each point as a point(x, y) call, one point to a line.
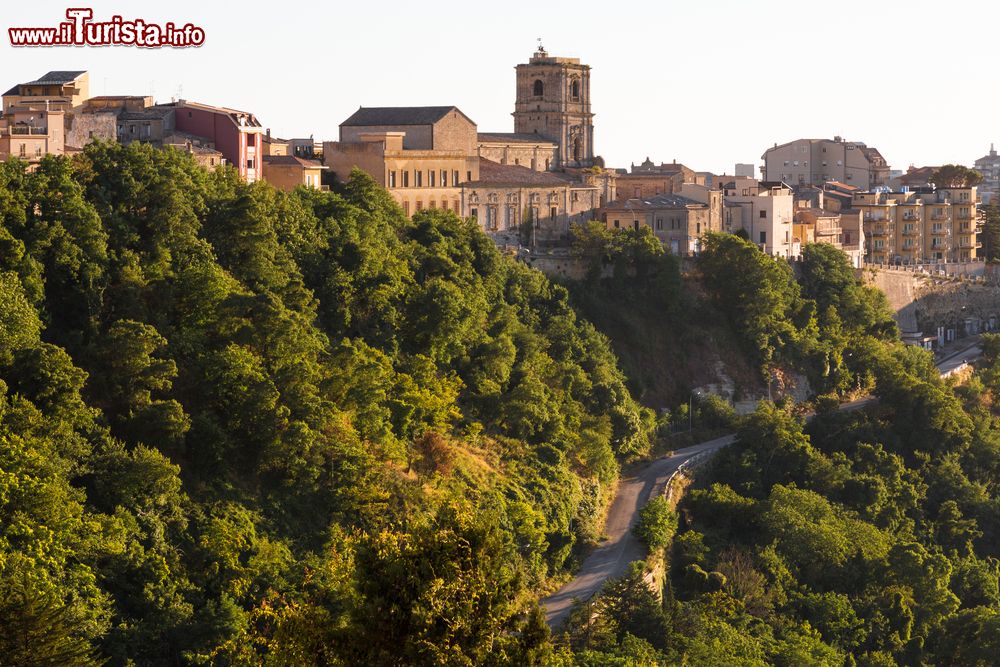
point(529, 189)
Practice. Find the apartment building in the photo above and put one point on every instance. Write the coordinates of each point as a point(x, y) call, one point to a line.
point(764, 210)
point(34, 120)
point(237, 135)
point(816, 161)
point(678, 221)
point(924, 225)
point(989, 167)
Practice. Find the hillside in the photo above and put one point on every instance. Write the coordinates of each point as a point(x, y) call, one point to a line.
point(239, 424)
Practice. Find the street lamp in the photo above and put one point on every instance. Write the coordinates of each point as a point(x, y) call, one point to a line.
point(691, 396)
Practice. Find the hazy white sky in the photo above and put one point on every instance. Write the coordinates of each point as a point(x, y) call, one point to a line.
point(706, 83)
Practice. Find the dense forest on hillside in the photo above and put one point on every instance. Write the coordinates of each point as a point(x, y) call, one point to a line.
point(241, 426)
point(245, 427)
point(858, 538)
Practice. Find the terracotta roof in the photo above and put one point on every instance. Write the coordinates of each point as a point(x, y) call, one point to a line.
point(513, 138)
point(399, 116)
point(292, 161)
point(495, 174)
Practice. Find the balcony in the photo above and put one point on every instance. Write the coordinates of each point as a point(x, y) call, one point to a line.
point(912, 231)
point(939, 232)
point(879, 231)
point(27, 130)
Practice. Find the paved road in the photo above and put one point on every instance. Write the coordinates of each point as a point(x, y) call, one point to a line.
point(612, 558)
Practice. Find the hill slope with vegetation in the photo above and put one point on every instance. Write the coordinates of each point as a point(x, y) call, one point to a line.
point(241, 426)
point(861, 538)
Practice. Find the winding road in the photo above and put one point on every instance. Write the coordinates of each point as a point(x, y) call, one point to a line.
point(612, 558)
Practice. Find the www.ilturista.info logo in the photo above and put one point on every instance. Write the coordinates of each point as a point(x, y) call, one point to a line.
point(80, 30)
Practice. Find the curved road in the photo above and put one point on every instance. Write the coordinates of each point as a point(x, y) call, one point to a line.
point(612, 558)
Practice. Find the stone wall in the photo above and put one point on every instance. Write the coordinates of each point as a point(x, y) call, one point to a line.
point(87, 127)
point(924, 303)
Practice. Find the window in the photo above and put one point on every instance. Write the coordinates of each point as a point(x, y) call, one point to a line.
point(538, 88)
point(406, 179)
point(24, 149)
point(430, 178)
point(553, 212)
point(659, 224)
point(418, 179)
point(474, 213)
point(574, 89)
point(433, 205)
point(444, 178)
point(763, 237)
point(455, 207)
point(251, 140)
point(763, 214)
point(420, 204)
point(617, 224)
point(249, 164)
point(454, 177)
point(575, 196)
point(697, 228)
point(517, 161)
point(468, 176)
point(392, 178)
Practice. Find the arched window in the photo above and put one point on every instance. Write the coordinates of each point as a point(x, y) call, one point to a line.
point(539, 88)
point(578, 149)
point(574, 89)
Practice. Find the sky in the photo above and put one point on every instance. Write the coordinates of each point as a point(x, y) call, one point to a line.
point(708, 84)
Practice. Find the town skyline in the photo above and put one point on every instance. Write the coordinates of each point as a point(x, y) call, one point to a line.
point(709, 104)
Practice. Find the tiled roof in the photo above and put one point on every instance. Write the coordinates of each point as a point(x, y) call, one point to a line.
point(292, 161)
point(399, 115)
point(56, 77)
point(149, 113)
point(513, 138)
point(14, 90)
point(656, 201)
point(495, 174)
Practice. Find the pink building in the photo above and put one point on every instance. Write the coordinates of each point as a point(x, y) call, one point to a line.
point(236, 134)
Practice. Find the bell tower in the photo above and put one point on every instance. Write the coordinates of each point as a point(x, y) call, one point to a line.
point(553, 101)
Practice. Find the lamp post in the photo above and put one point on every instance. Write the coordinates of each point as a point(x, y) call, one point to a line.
point(691, 408)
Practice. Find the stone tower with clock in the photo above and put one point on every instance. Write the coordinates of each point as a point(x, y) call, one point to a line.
point(553, 102)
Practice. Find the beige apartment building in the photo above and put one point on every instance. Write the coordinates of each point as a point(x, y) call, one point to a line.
point(925, 225)
point(678, 221)
point(421, 155)
point(34, 119)
point(817, 161)
point(764, 211)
